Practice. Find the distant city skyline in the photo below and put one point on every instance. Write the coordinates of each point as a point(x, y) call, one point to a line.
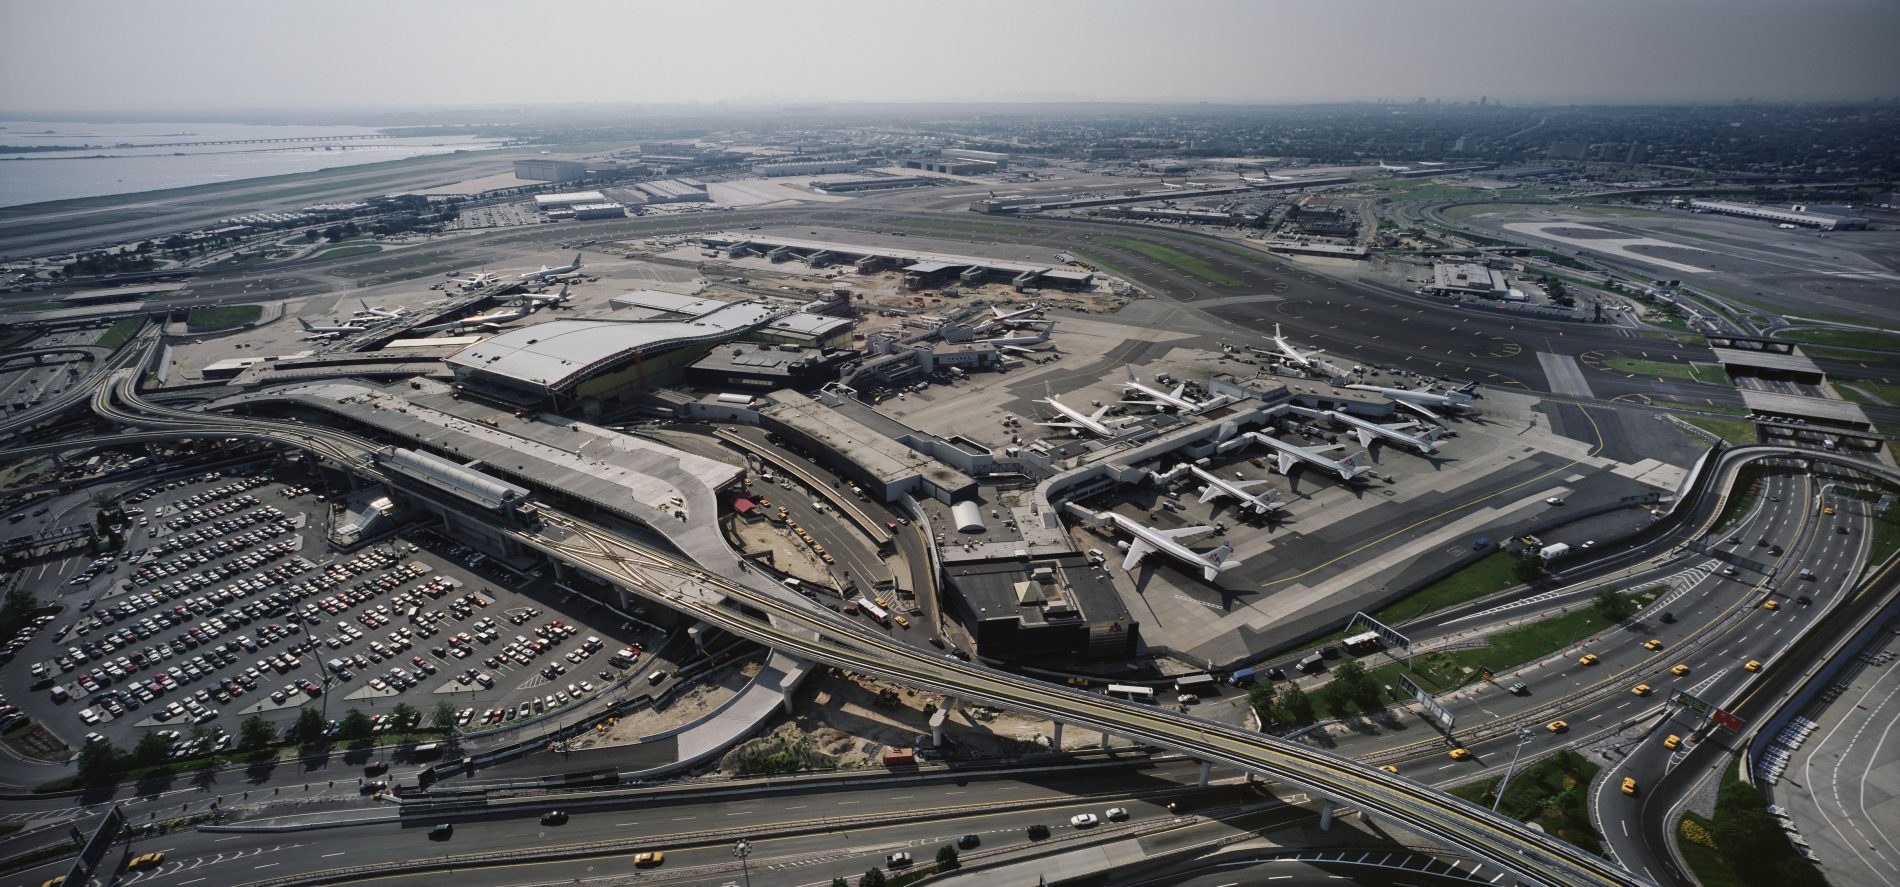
point(230, 56)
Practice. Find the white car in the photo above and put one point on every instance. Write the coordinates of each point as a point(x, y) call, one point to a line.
point(1083, 820)
point(1117, 814)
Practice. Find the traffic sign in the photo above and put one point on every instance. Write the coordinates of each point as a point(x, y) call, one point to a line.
point(1728, 721)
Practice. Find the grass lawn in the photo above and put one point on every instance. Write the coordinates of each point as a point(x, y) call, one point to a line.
point(1108, 266)
point(1735, 431)
point(222, 317)
point(1442, 671)
point(1550, 793)
point(32, 306)
point(1699, 407)
point(355, 249)
point(1707, 864)
point(121, 332)
point(1878, 341)
point(1468, 210)
point(1748, 482)
point(1868, 393)
point(1494, 572)
point(1171, 256)
point(1886, 536)
point(1706, 373)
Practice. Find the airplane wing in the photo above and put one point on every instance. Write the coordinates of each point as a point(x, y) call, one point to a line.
point(1365, 437)
point(1406, 425)
point(1137, 549)
point(1210, 492)
point(1244, 484)
point(1061, 424)
point(1285, 461)
point(1098, 414)
point(1184, 531)
point(1416, 408)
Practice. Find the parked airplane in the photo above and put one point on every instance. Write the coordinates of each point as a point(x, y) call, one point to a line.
point(547, 273)
point(553, 301)
point(342, 330)
point(491, 321)
point(998, 315)
point(1078, 420)
point(482, 279)
point(369, 313)
point(1148, 540)
point(1308, 360)
point(1218, 486)
point(1390, 168)
point(1288, 455)
point(1424, 444)
point(1036, 338)
point(1158, 397)
point(1422, 399)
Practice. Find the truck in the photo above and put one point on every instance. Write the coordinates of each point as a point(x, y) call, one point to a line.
point(1364, 642)
point(1241, 678)
point(899, 757)
point(1552, 552)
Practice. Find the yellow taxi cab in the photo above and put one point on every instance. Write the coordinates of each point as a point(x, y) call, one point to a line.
point(828, 559)
point(1588, 659)
point(1771, 605)
point(1460, 753)
point(1640, 689)
point(55, 881)
point(1389, 768)
point(1827, 509)
point(900, 620)
point(1673, 742)
point(1557, 726)
point(145, 861)
point(1629, 786)
point(1652, 644)
point(651, 858)
point(1752, 665)
point(1679, 670)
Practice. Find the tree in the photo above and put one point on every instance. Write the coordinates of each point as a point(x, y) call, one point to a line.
point(872, 878)
point(947, 858)
point(356, 725)
point(1296, 706)
point(405, 716)
point(1260, 697)
point(309, 727)
point(99, 761)
point(1357, 688)
point(151, 750)
point(840, 882)
point(1614, 607)
point(1530, 568)
point(1335, 700)
point(256, 732)
point(444, 715)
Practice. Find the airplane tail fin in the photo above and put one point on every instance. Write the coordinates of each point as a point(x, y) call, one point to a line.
point(1468, 388)
point(1218, 562)
point(1365, 437)
point(304, 323)
point(364, 303)
point(1436, 432)
point(1356, 460)
point(1131, 373)
point(577, 261)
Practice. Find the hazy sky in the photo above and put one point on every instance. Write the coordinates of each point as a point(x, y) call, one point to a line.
point(86, 55)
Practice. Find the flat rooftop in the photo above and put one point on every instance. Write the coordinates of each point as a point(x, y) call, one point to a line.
point(1767, 360)
point(1836, 411)
point(879, 455)
point(551, 355)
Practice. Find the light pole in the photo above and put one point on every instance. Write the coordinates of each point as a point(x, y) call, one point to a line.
point(1524, 735)
point(742, 850)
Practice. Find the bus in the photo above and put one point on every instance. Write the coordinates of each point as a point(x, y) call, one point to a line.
point(1365, 642)
point(1128, 691)
point(875, 611)
point(1198, 684)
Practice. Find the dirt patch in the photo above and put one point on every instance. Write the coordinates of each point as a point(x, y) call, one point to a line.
point(706, 696)
point(37, 743)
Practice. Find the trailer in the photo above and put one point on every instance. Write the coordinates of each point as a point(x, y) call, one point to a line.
point(1130, 692)
point(1365, 642)
point(1197, 684)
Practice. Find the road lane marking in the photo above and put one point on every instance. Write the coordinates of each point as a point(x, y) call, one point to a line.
point(266, 865)
point(338, 853)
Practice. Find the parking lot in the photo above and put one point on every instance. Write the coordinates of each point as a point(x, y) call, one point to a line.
point(226, 603)
point(502, 215)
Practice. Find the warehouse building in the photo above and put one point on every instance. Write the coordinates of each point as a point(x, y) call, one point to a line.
point(1795, 216)
point(1049, 609)
point(763, 368)
point(674, 191)
point(588, 366)
point(921, 269)
point(883, 466)
point(546, 170)
point(1468, 279)
point(877, 183)
point(545, 202)
point(587, 212)
point(949, 165)
point(807, 168)
point(802, 329)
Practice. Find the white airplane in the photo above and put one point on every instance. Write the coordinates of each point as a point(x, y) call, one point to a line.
point(491, 321)
point(343, 330)
point(546, 273)
point(1148, 540)
point(1309, 360)
point(1079, 420)
point(1287, 455)
point(1218, 486)
point(482, 279)
point(369, 313)
point(1158, 397)
point(1422, 399)
point(1423, 444)
point(998, 315)
point(1036, 338)
point(555, 300)
point(1390, 168)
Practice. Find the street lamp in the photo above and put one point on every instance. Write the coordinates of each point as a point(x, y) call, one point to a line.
point(1524, 735)
point(742, 850)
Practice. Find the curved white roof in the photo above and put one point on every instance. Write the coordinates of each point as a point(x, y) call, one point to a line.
point(557, 353)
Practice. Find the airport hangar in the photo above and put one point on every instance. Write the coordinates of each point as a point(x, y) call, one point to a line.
point(588, 367)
